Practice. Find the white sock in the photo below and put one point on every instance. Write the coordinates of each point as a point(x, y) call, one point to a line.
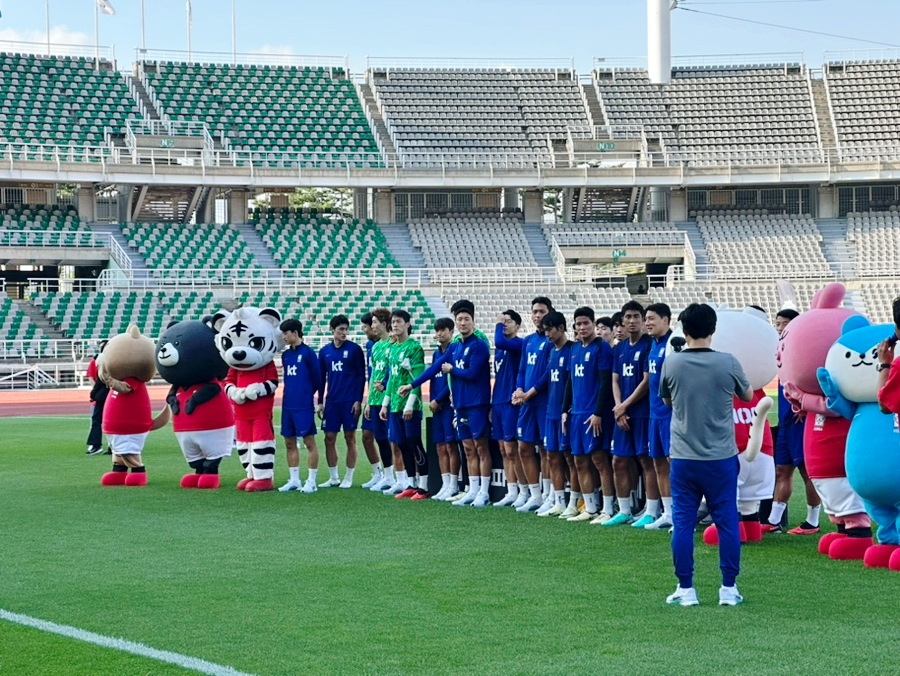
point(777, 512)
point(485, 485)
point(377, 469)
point(609, 502)
point(535, 490)
point(812, 515)
point(454, 484)
point(590, 503)
point(559, 497)
point(574, 497)
point(295, 474)
point(512, 490)
point(474, 485)
point(423, 482)
point(403, 478)
point(667, 507)
point(625, 506)
point(523, 489)
point(313, 475)
point(333, 472)
point(652, 508)
point(445, 481)
point(348, 475)
point(546, 486)
point(389, 473)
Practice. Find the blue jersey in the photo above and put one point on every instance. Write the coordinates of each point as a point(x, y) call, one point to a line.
point(470, 379)
point(557, 375)
point(786, 415)
point(507, 355)
point(369, 345)
point(533, 367)
point(302, 377)
point(585, 366)
point(631, 364)
point(440, 383)
point(344, 371)
point(658, 410)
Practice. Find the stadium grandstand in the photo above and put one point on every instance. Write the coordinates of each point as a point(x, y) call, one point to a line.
point(161, 189)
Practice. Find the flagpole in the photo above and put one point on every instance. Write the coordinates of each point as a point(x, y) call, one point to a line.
point(189, 29)
point(143, 30)
point(96, 36)
point(48, 27)
point(233, 35)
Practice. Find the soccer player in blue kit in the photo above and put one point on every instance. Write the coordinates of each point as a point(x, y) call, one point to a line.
point(532, 409)
point(505, 416)
point(630, 385)
point(443, 432)
point(366, 423)
point(302, 379)
point(343, 366)
point(658, 317)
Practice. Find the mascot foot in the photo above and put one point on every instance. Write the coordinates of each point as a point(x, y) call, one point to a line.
point(136, 479)
point(849, 549)
point(894, 562)
point(826, 540)
point(208, 481)
point(190, 480)
point(242, 484)
point(258, 485)
point(711, 536)
point(878, 556)
point(113, 479)
point(751, 531)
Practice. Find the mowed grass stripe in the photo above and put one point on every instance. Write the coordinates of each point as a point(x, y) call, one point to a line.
point(353, 582)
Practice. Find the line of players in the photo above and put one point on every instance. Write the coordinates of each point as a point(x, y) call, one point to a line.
point(581, 412)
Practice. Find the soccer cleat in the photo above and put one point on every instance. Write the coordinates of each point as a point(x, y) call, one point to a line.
point(259, 485)
point(466, 500)
point(729, 596)
point(685, 597)
point(136, 479)
point(190, 480)
point(773, 528)
point(555, 510)
point(620, 519)
point(804, 528)
point(459, 496)
point(481, 500)
point(395, 489)
point(568, 513)
point(662, 523)
point(330, 483)
point(440, 495)
point(290, 486)
point(346, 483)
point(309, 487)
point(94, 450)
point(382, 484)
point(406, 493)
point(521, 500)
point(600, 519)
point(547, 503)
point(644, 521)
point(419, 496)
point(582, 516)
point(530, 506)
point(505, 501)
point(371, 482)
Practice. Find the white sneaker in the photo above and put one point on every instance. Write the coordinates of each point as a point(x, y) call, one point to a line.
point(346, 483)
point(309, 487)
point(685, 597)
point(729, 596)
point(663, 522)
point(481, 500)
point(465, 500)
point(521, 500)
point(568, 513)
point(531, 505)
point(583, 516)
point(290, 486)
point(555, 510)
point(395, 489)
point(374, 480)
point(383, 483)
point(544, 508)
point(441, 494)
point(330, 483)
point(457, 496)
point(600, 519)
point(505, 501)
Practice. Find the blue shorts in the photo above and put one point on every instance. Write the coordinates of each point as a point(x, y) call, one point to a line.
point(582, 437)
point(531, 424)
point(505, 418)
point(366, 425)
point(472, 422)
point(633, 442)
point(442, 429)
point(339, 415)
point(399, 429)
point(789, 446)
point(298, 423)
point(660, 437)
point(554, 439)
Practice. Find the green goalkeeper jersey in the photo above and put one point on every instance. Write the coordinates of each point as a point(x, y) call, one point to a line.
point(406, 361)
point(379, 361)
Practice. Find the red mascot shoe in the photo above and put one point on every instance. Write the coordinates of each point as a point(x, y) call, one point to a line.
point(242, 484)
point(190, 480)
point(711, 536)
point(751, 531)
point(849, 549)
point(208, 481)
point(894, 562)
point(259, 485)
point(826, 540)
point(136, 479)
point(113, 479)
point(879, 556)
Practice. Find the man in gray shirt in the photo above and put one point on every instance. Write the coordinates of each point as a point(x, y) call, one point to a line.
point(700, 384)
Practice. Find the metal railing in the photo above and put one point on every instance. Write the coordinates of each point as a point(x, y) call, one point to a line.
point(407, 63)
point(88, 52)
point(770, 271)
point(608, 238)
point(227, 59)
point(54, 238)
point(860, 55)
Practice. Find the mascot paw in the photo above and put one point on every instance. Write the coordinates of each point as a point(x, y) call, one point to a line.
point(751, 531)
point(258, 485)
point(242, 484)
point(826, 540)
point(711, 536)
point(190, 480)
point(879, 556)
point(113, 479)
point(849, 549)
point(208, 481)
point(894, 562)
point(136, 479)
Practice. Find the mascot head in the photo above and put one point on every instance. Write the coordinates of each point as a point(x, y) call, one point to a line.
point(852, 359)
point(128, 355)
point(186, 354)
point(805, 342)
point(248, 338)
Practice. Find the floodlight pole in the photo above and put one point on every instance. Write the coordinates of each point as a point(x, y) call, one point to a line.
point(233, 35)
point(96, 36)
point(659, 41)
point(48, 27)
point(189, 22)
point(143, 30)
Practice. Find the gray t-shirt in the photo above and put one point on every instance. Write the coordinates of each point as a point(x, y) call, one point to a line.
point(702, 384)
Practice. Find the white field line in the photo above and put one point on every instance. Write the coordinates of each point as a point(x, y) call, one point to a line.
point(192, 663)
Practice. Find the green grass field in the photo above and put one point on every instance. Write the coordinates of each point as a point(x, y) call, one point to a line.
point(348, 582)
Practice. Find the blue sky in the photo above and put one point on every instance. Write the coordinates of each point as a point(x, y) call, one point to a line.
point(542, 29)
